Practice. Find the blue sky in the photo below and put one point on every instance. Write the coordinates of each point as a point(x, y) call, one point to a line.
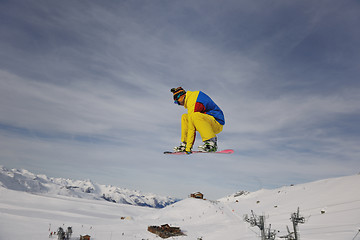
point(85, 91)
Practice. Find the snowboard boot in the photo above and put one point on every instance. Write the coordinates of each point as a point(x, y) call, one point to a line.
point(180, 148)
point(209, 145)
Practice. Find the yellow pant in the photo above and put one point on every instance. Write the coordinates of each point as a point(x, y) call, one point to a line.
point(205, 124)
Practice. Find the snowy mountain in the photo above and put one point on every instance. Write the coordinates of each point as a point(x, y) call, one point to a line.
point(23, 180)
point(329, 210)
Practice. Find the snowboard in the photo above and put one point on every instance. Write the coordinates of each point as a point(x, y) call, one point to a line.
point(226, 151)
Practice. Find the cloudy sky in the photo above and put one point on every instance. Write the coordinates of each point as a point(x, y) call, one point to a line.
point(85, 90)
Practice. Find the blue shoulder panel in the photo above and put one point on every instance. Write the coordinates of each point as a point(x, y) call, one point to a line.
point(211, 108)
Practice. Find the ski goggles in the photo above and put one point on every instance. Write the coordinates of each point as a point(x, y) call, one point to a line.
point(177, 96)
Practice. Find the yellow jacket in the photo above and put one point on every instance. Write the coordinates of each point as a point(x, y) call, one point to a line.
point(199, 102)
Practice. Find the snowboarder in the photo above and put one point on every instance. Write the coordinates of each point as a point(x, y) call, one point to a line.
point(203, 116)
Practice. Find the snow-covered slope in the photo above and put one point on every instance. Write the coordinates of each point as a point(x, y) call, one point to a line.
point(331, 209)
point(23, 180)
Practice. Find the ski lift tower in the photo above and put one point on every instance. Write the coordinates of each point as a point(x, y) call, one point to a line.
point(296, 219)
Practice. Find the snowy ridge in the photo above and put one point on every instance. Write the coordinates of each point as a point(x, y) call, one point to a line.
point(23, 180)
point(331, 209)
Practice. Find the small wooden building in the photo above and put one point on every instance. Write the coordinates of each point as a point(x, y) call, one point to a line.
point(198, 195)
point(165, 231)
point(86, 237)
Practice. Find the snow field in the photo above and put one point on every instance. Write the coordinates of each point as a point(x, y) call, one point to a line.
point(338, 197)
point(29, 216)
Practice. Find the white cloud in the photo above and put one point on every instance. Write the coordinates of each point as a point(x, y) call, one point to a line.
point(91, 88)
